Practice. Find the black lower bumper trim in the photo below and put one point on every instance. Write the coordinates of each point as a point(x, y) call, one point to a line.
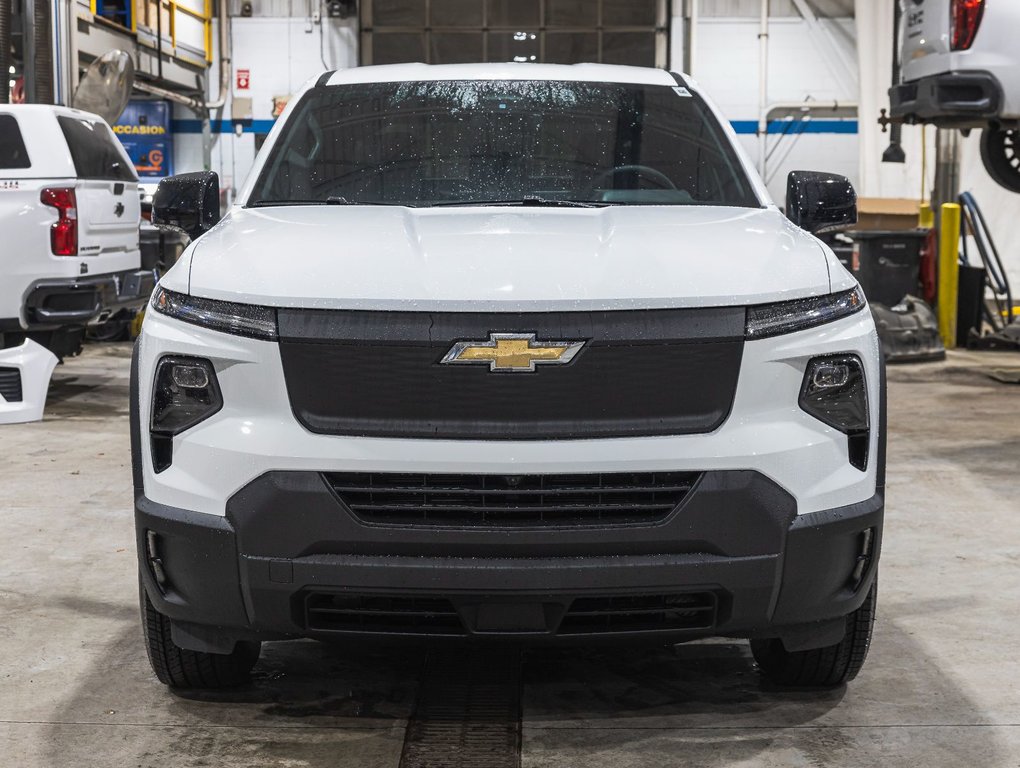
point(289, 561)
point(958, 99)
point(77, 301)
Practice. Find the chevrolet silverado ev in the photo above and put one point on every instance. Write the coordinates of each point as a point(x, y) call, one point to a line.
point(507, 353)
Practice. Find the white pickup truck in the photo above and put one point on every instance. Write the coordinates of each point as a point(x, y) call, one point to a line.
point(501, 353)
point(69, 212)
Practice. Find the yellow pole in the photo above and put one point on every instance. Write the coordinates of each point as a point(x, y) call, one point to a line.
point(949, 272)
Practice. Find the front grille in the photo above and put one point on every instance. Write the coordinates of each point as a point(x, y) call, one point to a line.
point(10, 384)
point(639, 373)
point(512, 500)
point(326, 612)
point(430, 615)
point(639, 613)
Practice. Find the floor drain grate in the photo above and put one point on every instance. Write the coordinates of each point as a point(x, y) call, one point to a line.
point(468, 713)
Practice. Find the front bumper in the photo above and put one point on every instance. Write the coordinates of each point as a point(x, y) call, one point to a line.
point(949, 100)
point(79, 301)
point(289, 560)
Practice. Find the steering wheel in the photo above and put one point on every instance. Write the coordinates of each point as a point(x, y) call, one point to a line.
point(664, 182)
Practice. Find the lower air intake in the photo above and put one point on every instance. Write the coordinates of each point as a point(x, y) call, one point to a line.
point(639, 613)
point(512, 500)
point(10, 385)
point(327, 612)
point(435, 616)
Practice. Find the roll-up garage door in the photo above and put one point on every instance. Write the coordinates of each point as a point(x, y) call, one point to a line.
point(552, 31)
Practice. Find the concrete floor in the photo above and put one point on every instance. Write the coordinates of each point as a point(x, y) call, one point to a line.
point(941, 688)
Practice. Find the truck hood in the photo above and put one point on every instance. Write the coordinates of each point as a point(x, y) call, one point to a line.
point(506, 259)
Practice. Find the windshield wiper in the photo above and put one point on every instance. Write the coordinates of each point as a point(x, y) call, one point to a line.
point(534, 201)
point(338, 200)
point(276, 203)
point(553, 202)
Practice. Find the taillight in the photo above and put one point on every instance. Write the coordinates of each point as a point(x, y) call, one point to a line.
point(63, 234)
point(965, 18)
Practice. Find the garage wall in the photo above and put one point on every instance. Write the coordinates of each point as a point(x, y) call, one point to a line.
point(801, 67)
point(282, 52)
point(279, 54)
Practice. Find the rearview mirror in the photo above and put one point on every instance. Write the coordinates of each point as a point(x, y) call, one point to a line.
point(187, 202)
point(820, 202)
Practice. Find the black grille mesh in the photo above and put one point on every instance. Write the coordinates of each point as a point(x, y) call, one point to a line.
point(10, 384)
point(639, 373)
point(512, 500)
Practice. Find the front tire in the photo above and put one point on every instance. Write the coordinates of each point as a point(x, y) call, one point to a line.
point(826, 667)
point(1000, 153)
point(182, 668)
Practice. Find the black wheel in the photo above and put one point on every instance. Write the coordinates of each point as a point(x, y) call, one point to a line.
point(1000, 152)
point(821, 667)
point(181, 668)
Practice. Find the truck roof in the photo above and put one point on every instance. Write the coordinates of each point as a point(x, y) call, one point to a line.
point(31, 110)
point(596, 73)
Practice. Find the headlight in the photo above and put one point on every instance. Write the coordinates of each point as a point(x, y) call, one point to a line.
point(834, 392)
point(227, 316)
point(184, 392)
point(766, 320)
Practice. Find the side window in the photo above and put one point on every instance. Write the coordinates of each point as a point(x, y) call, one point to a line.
point(12, 147)
point(94, 150)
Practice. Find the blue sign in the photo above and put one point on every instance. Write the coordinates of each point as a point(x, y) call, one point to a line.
point(144, 130)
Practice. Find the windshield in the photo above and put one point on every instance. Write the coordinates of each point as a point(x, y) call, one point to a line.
point(479, 142)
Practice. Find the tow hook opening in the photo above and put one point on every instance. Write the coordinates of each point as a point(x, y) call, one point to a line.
point(155, 561)
point(865, 553)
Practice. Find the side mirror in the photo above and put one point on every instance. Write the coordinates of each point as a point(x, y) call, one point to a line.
point(187, 202)
point(820, 202)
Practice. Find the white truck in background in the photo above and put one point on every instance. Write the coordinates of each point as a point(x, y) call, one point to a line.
point(959, 61)
point(69, 254)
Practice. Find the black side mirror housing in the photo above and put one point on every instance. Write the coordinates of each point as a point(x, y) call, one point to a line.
point(820, 202)
point(187, 202)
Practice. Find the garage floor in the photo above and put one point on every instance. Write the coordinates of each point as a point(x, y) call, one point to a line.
point(941, 688)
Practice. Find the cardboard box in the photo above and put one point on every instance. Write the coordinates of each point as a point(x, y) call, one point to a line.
point(887, 213)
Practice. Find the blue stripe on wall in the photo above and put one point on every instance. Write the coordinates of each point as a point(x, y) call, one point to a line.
point(222, 126)
point(742, 127)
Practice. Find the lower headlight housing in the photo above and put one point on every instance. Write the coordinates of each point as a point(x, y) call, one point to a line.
point(184, 393)
point(835, 392)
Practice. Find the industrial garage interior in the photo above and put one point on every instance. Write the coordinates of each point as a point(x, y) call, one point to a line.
point(325, 440)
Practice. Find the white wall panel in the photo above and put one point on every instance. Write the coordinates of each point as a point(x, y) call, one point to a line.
point(280, 54)
point(801, 66)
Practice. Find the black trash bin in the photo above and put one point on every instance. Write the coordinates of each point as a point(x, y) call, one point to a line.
point(887, 264)
point(968, 306)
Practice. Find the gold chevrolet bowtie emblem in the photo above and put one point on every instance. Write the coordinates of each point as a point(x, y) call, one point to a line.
point(512, 352)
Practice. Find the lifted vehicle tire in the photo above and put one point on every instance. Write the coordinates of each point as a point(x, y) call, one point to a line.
point(826, 667)
point(1000, 153)
point(181, 668)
